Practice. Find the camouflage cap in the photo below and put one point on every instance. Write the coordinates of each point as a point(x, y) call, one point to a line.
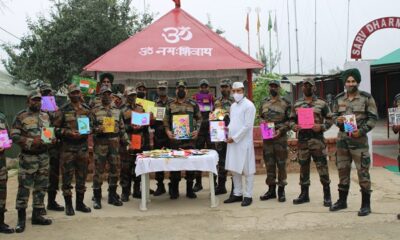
point(140, 84)
point(181, 83)
point(225, 82)
point(275, 81)
point(105, 89)
point(34, 94)
point(118, 95)
point(45, 87)
point(309, 80)
point(162, 84)
point(130, 91)
point(73, 87)
point(204, 82)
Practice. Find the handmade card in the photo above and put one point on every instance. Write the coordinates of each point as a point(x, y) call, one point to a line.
point(49, 104)
point(136, 141)
point(109, 124)
point(267, 130)
point(181, 126)
point(305, 118)
point(147, 105)
point(350, 123)
point(217, 131)
point(140, 119)
point(394, 116)
point(47, 134)
point(160, 113)
point(204, 101)
point(83, 125)
point(5, 141)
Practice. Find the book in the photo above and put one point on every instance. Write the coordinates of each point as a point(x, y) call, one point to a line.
point(87, 85)
point(267, 130)
point(83, 125)
point(47, 134)
point(181, 127)
point(5, 141)
point(147, 105)
point(305, 118)
point(160, 113)
point(217, 131)
point(350, 123)
point(49, 104)
point(136, 141)
point(140, 119)
point(394, 116)
point(109, 124)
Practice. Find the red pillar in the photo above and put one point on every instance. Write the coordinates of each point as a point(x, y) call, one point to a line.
point(250, 84)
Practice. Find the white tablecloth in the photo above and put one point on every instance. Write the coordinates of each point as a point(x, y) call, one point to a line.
point(204, 163)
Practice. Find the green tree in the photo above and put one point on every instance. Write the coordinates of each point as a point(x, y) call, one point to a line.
point(75, 33)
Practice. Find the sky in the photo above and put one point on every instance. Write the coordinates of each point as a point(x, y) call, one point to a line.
point(230, 15)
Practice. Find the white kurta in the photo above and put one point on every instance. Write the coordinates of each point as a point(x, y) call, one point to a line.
point(240, 156)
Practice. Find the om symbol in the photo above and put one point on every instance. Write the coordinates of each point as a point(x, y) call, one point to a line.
point(174, 35)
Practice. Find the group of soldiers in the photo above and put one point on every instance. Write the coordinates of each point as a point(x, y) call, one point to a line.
point(40, 163)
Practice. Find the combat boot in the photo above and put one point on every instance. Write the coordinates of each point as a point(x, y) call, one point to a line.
point(189, 190)
point(160, 189)
point(281, 194)
point(4, 228)
point(270, 194)
point(113, 198)
point(79, 205)
point(125, 194)
point(174, 189)
point(327, 196)
point(51, 202)
point(198, 186)
point(341, 202)
point(69, 210)
point(38, 219)
point(21, 221)
point(303, 197)
point(365, 209)
point(97, 198)
point(221, 189)
point(136, 190)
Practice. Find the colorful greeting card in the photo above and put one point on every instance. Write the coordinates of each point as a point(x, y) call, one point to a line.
point(181, 126)
point(147, 105)
point(204, 100)
point(109, 124)
point(350, 123)
point(217, 131)
point(140, 119)
point(49, 104)
point(136, 141)
point(83, 125)
point(87, 85)
point(217, 115)
point(47, 134)
point(305, 118)
point(5, 141)
point(267, 130)
point(160, 113)
point(394, 116)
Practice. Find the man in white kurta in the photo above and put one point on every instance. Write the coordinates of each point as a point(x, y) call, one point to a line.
point(240, 158)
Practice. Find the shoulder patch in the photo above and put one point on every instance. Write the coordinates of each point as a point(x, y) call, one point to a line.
point(340, 95)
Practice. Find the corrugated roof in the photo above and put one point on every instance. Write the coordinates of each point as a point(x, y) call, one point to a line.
point(9, 87)
point(391, 58)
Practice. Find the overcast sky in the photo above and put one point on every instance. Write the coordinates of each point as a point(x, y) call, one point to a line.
point(230, 16)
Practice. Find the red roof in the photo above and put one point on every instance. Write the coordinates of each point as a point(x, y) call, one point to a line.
point(175, 42)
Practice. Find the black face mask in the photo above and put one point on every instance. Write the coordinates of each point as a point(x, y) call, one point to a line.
point(352, 89)
point(181, 93)
point(34, 108)
point(106, 101)
point(273, 93)
point(141, 94)
point(226, 93)
point(75, 99)
point(162, 93)
point(308, 92)
point(131, 99)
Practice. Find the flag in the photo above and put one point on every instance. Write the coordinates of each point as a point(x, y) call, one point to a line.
point(247, 23)
point(269, 22)
point(275, 25)
point(84, 84)
point(258, 24)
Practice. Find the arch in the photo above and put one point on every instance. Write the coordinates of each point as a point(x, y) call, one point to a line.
point(368, 29)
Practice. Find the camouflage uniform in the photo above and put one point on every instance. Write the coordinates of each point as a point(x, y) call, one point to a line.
point(311, 144)
point(351, 148)
point(176, 108)
point(396, 103)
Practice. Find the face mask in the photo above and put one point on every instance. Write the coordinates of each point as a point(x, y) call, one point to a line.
point(131, 100)
point(162, 93)
point(35, 107)
point(308, 92)
point(106, 100)
point(273, 93)
point(141, 94)
point(181, 93)
point(226, 93)
point(238, 96)
point(75, 99)
point(352, 89)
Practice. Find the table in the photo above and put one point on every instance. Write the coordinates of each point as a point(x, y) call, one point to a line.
point(204, 163)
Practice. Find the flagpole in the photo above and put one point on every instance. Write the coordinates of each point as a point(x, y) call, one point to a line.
point(248, 29)
point(297, 38)
point(258, 10)
point(315, 37)
point(270, 42)
point(288, 23)
point(277, 42)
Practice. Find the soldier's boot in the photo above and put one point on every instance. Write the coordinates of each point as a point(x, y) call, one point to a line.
point(51, 202)
point(79, 205)
point(189, 190)
point(43, 212)
point(113, 197)
point(270, 194)
point(198, 186)
point(69, 210)
point(125, 194)
point(96, 198)
point(281, 194)
point(136, 190)
point(327, 196)
point(174, 189)
point(341, 202)
point(160, 189)
point(365, 209)
point(221, 189)
point(38, 219)
point(21, 221)
point(303, 197)
point(4, 228)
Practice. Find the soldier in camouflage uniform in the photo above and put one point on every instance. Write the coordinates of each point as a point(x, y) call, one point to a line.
point(182, 105)
point(311, 142)
point(54, 154)
point(4, 228)
point(396, 130)
point(74, 151)
point(106, 148)
point(224, 102)
point(33, 169)
point(275, 109)
point(161, 139)
point(128, 161)
point(354, 146)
